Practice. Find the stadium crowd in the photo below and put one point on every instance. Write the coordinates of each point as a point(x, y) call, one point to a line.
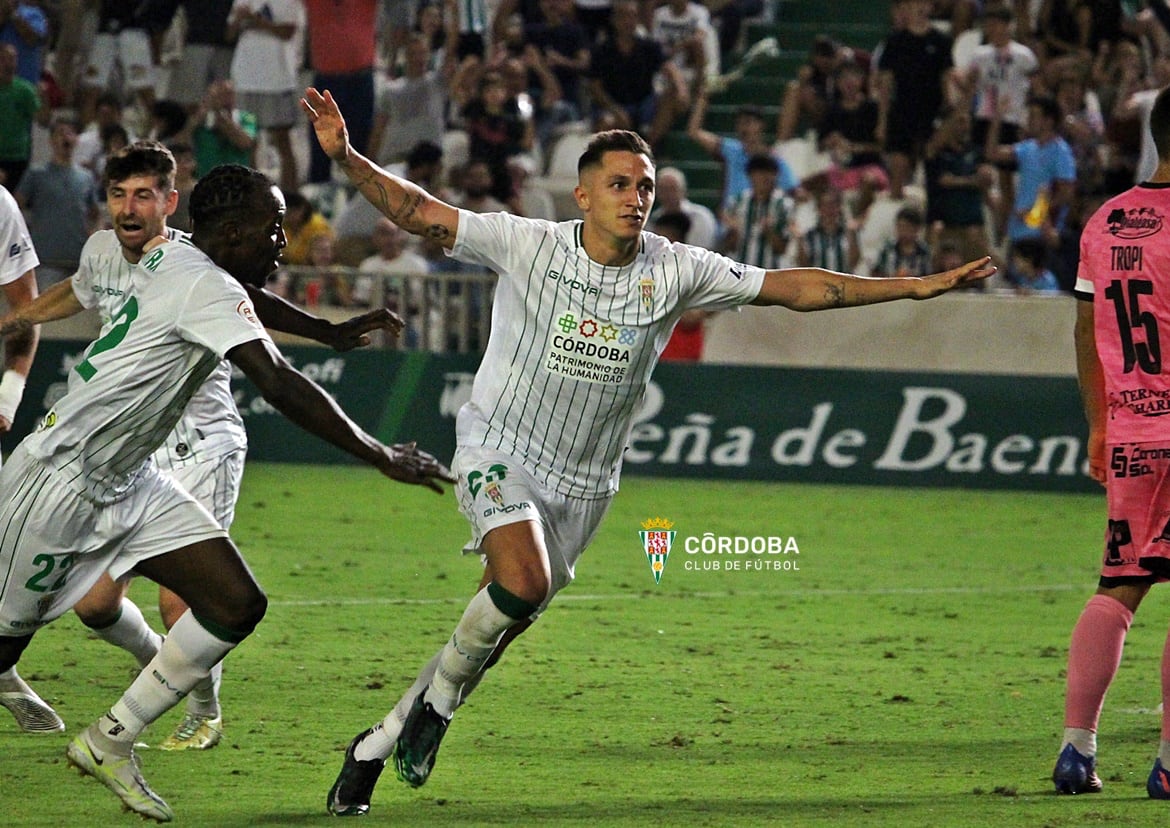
point(970, 127)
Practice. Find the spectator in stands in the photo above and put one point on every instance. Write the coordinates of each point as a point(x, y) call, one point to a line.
point(475, 183)
point(998, 78)
point(850, 133)
point(996, 83)
point(954, 16)
point(20, 105)
point(949, 254)
point(413, 107)
point(1138, 109)
point(670, 196)
point(565, 45)
point(207, 53)
point(60, 204)
point(1082, 126)
point(336, 289)
point(1046, 179)
point(528, 200)
point(26, 27)
point(265, 72)
point(1126, 102)
point(401, 273)
point(184, 184)
point(1030, 270)
point(808, 96)
point(957, 184)
point(622, 75)
point(831, 243)
point(167, 119)
point(434, 21)
point(535, 92)
point(120, 52)
point(684, 31)
point(302, 224)
point(1065, 27)
point(913, 75)
point(907, 254)
point(343, 44)
point(219, 131)
point(497, 130)
point(595, 16)
point(757, 222)
point(108, 112)
point(734, 152)
point(114, 137)
point(729, 17)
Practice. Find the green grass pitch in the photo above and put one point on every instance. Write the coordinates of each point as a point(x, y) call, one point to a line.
point(908, 673)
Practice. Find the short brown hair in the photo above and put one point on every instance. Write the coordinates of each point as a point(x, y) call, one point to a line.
point(141, 158)
point(612, 140)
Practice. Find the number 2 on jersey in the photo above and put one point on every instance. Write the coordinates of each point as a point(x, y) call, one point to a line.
point(1145, 355)
point(116, 334)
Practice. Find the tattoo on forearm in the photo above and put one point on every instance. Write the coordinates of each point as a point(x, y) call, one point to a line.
point(834, 295)
point(438, 232)
point(410, 205)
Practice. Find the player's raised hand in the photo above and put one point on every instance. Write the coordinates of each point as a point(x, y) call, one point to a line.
point(325, 116)
point(406, 463)
point(355, 331)
point(967, 274)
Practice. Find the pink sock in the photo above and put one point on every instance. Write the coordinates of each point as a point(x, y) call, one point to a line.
point(1093, 657)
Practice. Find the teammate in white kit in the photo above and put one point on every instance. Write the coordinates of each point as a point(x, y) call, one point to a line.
point(205, 452)
point(18, 262)
point(80, 496)
point(582, 311)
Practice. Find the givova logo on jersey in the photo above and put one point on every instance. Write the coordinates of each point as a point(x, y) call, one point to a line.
point(590, 350)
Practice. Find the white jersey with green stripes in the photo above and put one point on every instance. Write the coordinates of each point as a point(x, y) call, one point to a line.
point(17, 256)
point(211, 426)
point(178, 319)
point(573, 342)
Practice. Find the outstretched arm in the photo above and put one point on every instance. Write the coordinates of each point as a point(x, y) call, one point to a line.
point(305, 403)
point(813, 288)
point(403, 202)
point(281, 315)
point(58, 302)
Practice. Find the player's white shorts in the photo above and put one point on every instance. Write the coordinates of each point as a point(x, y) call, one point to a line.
point(215, 483)
point(129, 49)
point(495, 490)
point(54, 544)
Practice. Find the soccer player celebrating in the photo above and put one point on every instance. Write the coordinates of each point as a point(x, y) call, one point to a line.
point(205, 452)
point(1124, 288)
point(582, 311)
point(87, 499)
point(18, 262)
